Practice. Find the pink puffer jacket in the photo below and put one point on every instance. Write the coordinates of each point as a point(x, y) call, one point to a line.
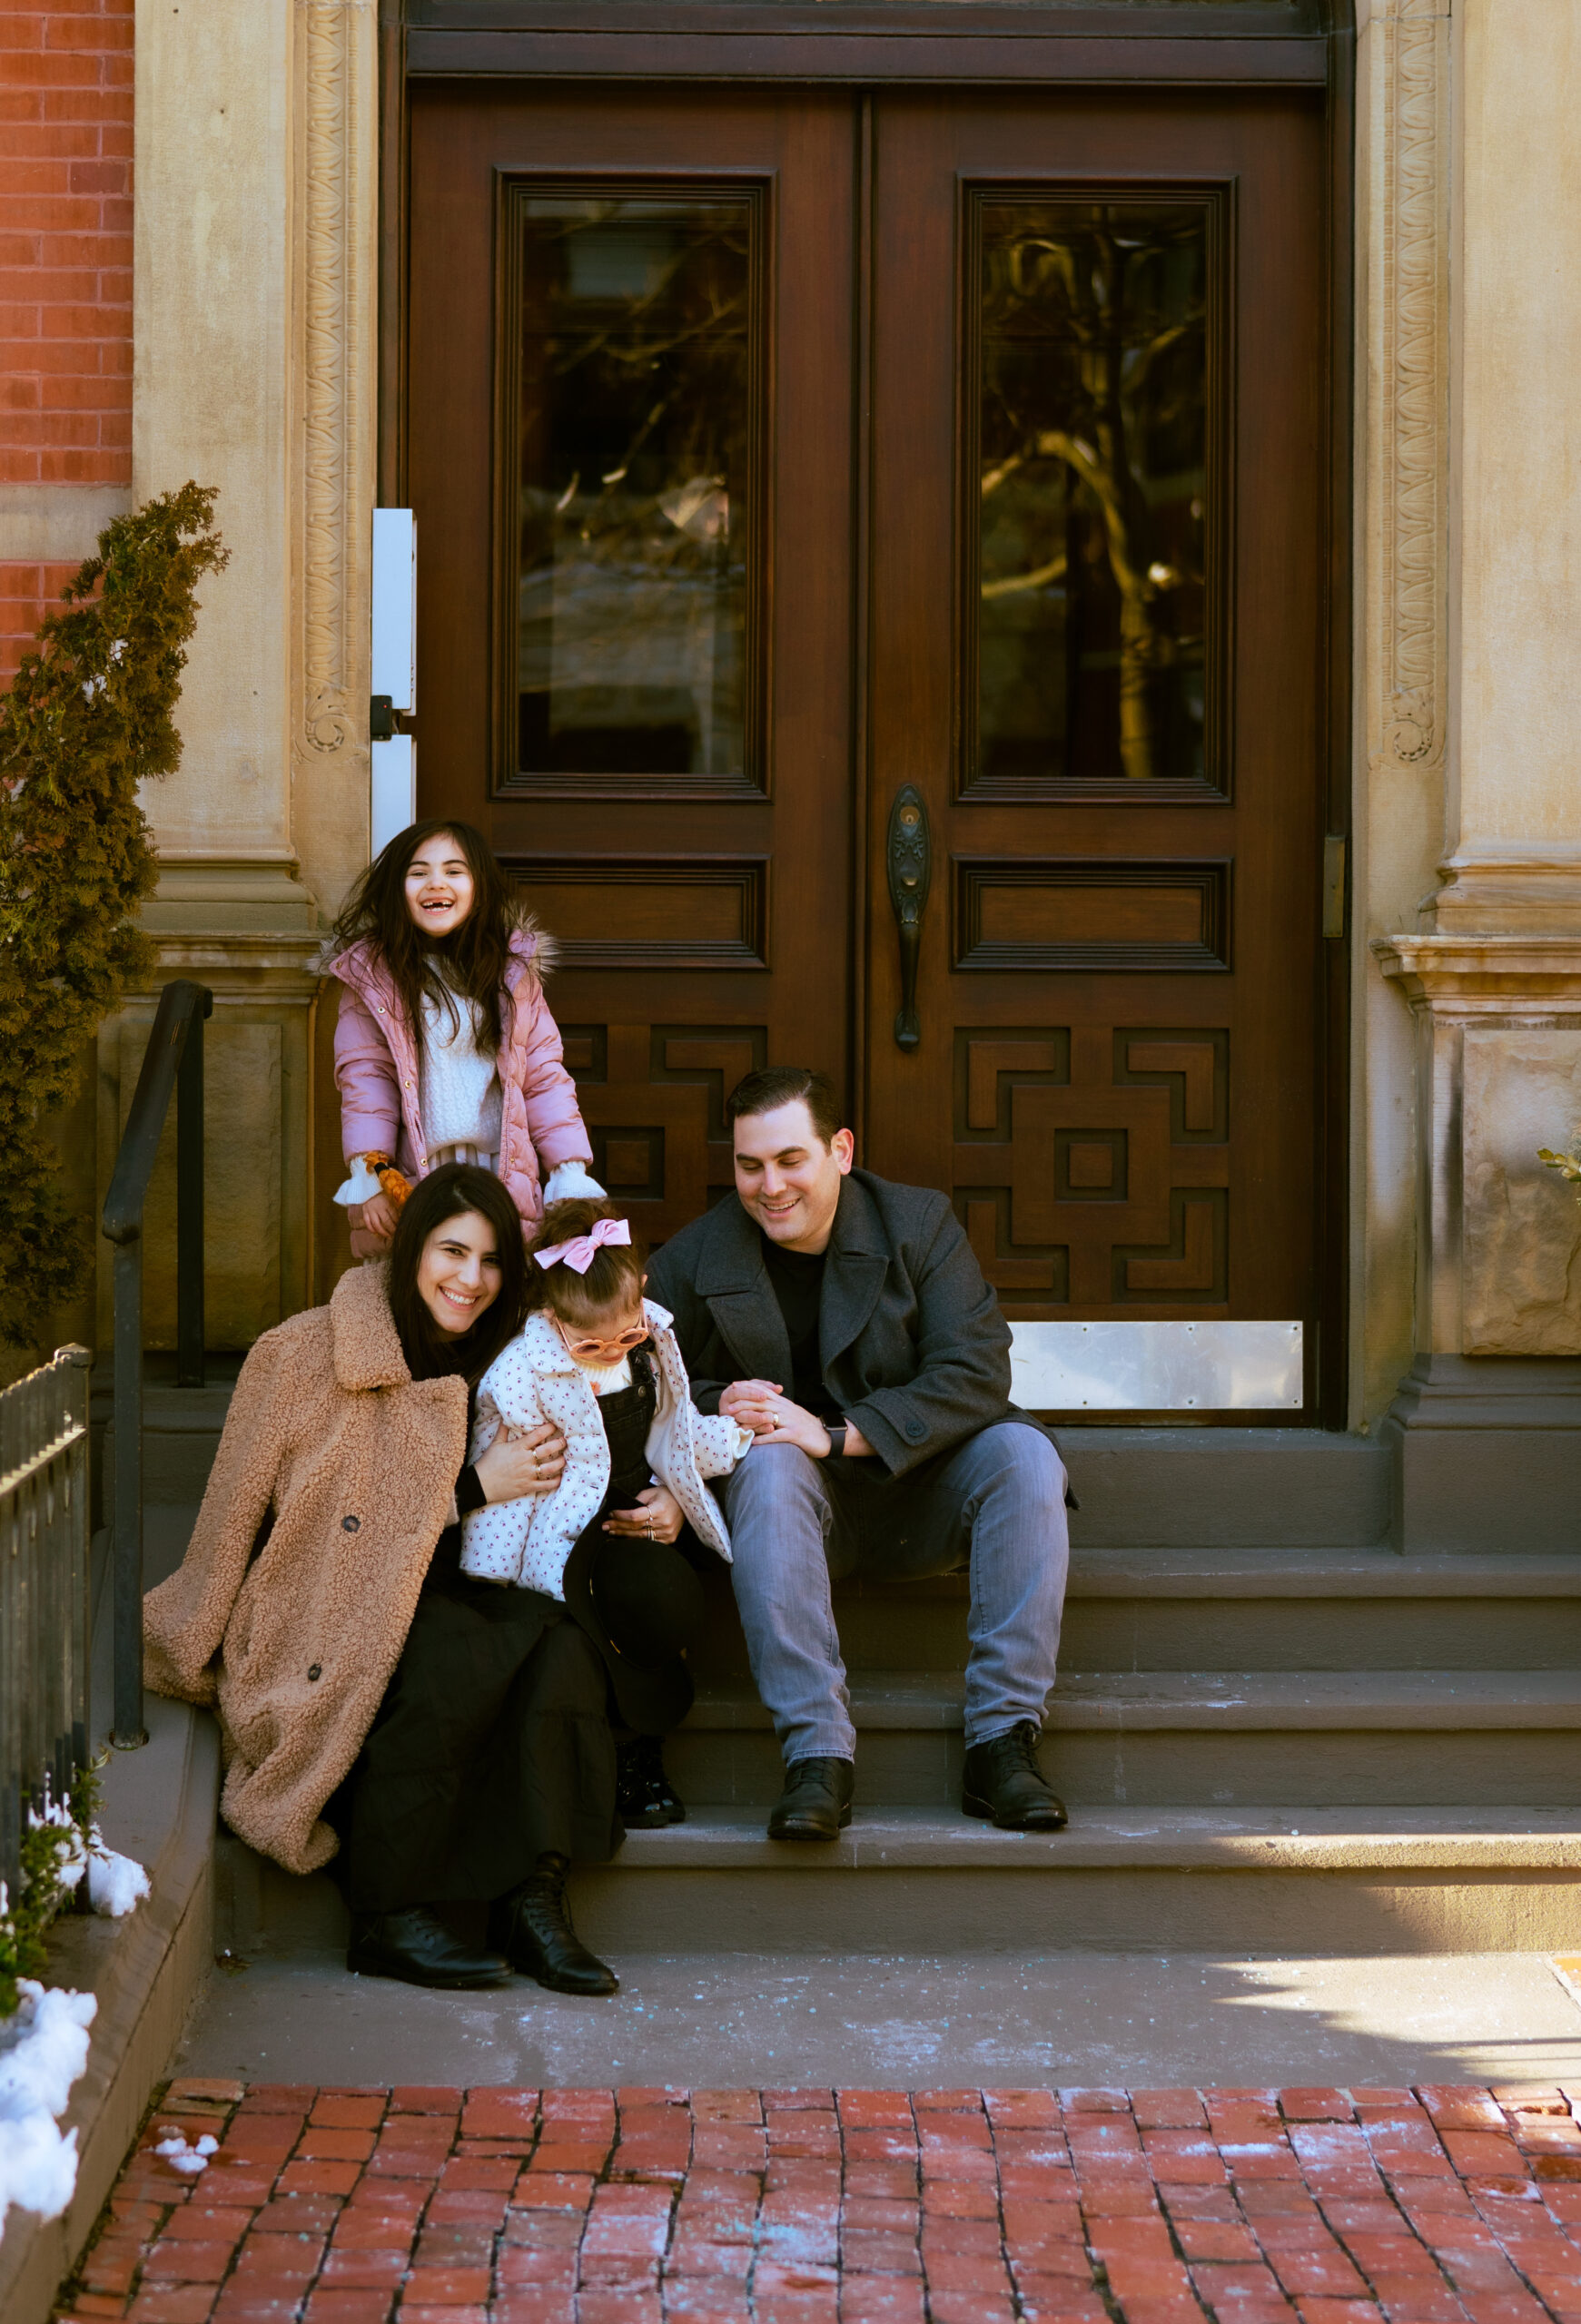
point(377, 1073)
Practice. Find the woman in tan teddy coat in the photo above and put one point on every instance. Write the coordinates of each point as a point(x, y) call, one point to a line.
point(322, 1610)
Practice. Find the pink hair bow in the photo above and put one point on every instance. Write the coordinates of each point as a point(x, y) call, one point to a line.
point(582, 1249)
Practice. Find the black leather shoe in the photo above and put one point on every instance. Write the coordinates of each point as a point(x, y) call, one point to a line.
point(1004, 1784)
point(416, 1946)
point(532, 1926)
point(816, 1804)
point(644, 1793)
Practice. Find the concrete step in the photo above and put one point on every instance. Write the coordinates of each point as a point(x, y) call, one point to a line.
point(1188, 1740)
point(1210, 1607)
point(181, 1435)
point(915, 1881)
point(1138, 1487)
point(1239, 1487)
point(910, 1881)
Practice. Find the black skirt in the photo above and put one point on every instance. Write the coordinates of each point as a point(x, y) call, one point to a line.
point(492, 1746)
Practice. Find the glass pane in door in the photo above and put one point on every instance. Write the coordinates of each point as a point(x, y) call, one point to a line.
point(636, 499)
point(1095, 472)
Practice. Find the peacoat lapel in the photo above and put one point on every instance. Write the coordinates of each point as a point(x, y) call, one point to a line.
point(733, 1282)
point(854, 1273)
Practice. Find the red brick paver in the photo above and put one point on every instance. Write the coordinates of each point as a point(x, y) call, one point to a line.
point(432, 2206)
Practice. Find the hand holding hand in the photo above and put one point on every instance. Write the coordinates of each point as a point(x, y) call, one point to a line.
point(378, 1217)
point(774, 1420)
point(743, 1402)
point(523, 1462)
point(659, 1517)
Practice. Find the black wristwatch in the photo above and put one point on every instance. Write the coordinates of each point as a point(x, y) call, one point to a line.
point(837, 1432)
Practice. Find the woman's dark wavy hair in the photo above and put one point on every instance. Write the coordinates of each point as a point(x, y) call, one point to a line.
point(473, 957)
point(613, 1279)
point(446, 1194)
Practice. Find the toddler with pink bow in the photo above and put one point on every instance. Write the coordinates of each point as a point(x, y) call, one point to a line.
point(601, 1363)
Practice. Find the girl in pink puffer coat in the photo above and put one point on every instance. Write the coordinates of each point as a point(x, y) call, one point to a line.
point(445, 1050)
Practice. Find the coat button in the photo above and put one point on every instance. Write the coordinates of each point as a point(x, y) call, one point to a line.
point(315, 1669)
point(915, 1428)
point(350, 1524)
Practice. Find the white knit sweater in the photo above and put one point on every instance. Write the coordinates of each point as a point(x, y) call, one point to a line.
point(461, 1097)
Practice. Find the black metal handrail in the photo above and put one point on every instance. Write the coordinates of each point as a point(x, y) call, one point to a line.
point(173, 1061)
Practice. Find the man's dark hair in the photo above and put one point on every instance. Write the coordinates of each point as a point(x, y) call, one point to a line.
point(782, 1085)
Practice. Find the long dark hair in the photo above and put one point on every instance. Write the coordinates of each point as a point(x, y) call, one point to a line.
point(613, 1279)
point(473, 957)
point(445, 1194)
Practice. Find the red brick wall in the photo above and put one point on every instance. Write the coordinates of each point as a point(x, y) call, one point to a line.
point(66, 266)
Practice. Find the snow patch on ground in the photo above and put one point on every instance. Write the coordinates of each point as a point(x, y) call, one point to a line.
point(44, 2047)
point(115, 1883)
point(182, 2157)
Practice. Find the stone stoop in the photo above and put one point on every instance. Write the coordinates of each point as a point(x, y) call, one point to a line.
point(1272, 1731)
point(1411, 1805)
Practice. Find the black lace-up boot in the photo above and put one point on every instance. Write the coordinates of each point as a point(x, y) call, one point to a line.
point(531, 1924)
point(1003, 1784)
point(644, 1793)
point(416, 1946)
point(816, 1804)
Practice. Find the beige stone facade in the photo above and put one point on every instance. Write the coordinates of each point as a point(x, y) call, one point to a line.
point(258, 235)
point(256, 223)
point(1468, 514)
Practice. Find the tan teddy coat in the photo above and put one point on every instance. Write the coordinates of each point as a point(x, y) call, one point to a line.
point(359, 1463)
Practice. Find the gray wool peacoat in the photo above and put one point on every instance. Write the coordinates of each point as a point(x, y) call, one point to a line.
point(915, 1349)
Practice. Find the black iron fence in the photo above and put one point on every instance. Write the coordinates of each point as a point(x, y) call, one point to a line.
point(44, 1651)
point(172, 1063)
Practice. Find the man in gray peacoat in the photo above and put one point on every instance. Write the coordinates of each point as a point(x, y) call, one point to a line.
point(843, 1319)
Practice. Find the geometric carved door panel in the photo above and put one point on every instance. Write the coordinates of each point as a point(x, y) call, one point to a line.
point(1092, 1164)
point(653, 1099)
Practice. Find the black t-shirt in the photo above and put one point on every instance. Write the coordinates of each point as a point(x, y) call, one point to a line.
point(797, 1279)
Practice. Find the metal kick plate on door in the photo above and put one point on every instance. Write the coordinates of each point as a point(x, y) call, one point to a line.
point(1117, 1367)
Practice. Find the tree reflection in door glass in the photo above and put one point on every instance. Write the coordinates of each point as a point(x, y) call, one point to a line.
point(1093, 432)
point(634, 484)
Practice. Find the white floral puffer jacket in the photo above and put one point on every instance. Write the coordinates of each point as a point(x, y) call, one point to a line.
point(534, 1379)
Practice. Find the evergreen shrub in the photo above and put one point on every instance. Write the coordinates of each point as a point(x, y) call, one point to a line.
point(89, 717)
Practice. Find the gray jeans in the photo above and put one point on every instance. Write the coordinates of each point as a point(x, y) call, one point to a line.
point(996, 1504)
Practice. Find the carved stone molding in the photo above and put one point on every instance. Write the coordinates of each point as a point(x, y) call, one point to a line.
point(1412, 368)
point(1519, 979)
point(1499, 1075)
point(335, 255)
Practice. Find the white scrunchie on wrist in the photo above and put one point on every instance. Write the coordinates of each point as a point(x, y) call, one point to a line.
point(361, 1185)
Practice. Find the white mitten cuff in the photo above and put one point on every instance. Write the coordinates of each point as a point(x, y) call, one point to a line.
point(361, 1185)
point(570, 1182)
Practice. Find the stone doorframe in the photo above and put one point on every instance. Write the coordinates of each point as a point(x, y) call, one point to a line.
point(258, 247)
point(1467, 875)
point(256, 343)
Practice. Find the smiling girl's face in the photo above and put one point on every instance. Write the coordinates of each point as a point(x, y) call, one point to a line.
point(438, 886)
point(459, 1275)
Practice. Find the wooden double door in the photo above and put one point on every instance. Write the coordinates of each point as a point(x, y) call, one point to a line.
point(872, 591)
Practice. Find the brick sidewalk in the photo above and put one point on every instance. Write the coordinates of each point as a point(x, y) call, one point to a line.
point(813, 2207)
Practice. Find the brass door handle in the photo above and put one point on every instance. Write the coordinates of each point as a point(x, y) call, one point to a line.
point(909, 860)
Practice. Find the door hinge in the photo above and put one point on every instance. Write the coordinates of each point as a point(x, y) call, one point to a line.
point(1334, 885)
